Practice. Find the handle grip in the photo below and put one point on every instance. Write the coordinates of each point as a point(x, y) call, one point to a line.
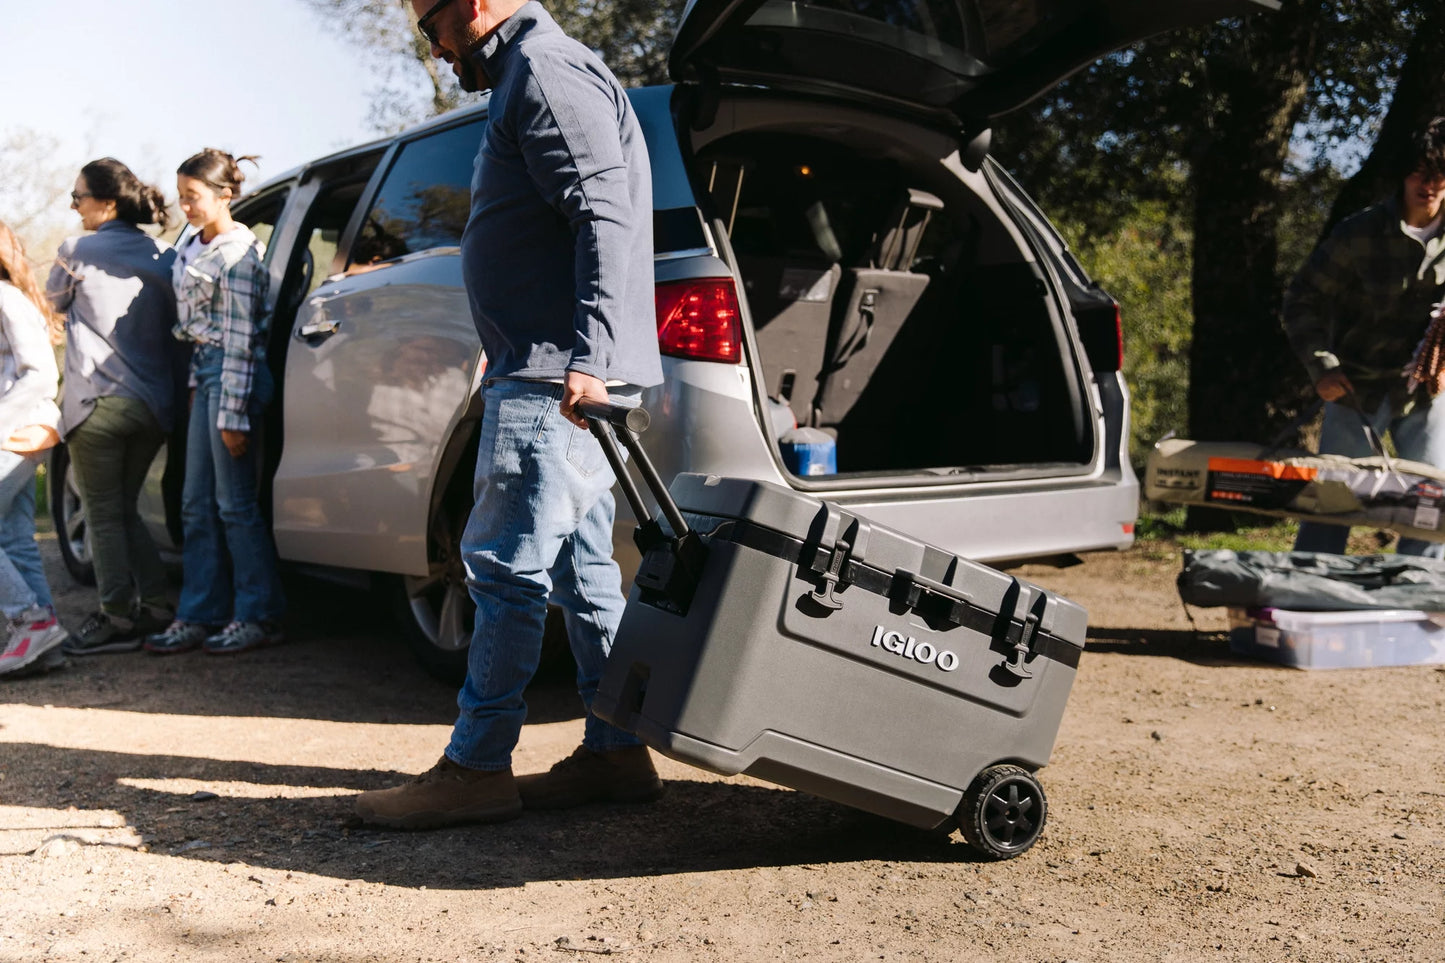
point(634, 419)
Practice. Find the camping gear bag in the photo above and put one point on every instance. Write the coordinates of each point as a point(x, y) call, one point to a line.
point(774, 634)
point(1378, 491)
point(1311, 581)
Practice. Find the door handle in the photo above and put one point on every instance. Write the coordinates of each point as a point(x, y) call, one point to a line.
point(318, 328)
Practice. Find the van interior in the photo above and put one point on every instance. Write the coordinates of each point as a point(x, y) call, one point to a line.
point(891, 308)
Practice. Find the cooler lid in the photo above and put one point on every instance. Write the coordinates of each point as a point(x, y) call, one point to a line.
point(806, 521)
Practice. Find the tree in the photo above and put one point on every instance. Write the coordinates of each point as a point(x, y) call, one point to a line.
point(1206, 119)
point(412, 86)
point(34, 182)
point(631, 36)
point(1419, 96)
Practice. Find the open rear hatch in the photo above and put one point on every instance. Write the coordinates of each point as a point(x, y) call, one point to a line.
point(966, 61)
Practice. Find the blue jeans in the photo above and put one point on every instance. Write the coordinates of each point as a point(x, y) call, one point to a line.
point(228, 558)
point(1419, 436)
point(541, 527)
point(22, 577)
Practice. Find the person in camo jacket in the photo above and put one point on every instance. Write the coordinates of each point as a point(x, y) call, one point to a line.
point(1356, 313)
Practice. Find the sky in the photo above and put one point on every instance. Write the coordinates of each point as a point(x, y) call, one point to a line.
point(153, 81)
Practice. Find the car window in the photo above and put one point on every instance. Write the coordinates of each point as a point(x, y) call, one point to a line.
point(425, 199)
point(261, 215)
point(325, 223)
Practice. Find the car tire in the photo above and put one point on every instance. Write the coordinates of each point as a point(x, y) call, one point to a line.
point(436, 613)
point(67, 511)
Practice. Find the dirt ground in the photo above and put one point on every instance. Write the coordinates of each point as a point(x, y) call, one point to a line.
point(1202, 807)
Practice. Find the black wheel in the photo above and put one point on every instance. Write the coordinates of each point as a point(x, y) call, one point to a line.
point(1003, 812)
point(436, 612)
point(67, 511)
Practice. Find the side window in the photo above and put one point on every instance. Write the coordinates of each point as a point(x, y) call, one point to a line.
point(261, 214)
point(425, 199)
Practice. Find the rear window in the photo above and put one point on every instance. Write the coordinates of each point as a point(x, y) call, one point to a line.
point(426, 197)
point(677, 229)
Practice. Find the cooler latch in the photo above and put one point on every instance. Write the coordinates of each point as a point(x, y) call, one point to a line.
point(1015, 662)
point(828, 581)
point(852, 532)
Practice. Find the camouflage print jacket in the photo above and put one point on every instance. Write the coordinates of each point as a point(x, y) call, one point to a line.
point(1362, 301)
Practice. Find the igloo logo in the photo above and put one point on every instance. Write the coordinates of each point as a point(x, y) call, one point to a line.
point(907, 647)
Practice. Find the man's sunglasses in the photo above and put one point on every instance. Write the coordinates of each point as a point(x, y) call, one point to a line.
point(424, 22)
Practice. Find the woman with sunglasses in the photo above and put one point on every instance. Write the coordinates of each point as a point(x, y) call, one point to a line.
point(28, 379)
point(120, 391)
point(221, 282)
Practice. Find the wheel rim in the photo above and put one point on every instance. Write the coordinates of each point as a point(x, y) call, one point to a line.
point(77, 531)
point(440, 604)
point(1009, 818)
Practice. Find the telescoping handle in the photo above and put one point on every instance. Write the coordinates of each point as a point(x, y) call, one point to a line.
point(672, 563)
point(611, 422)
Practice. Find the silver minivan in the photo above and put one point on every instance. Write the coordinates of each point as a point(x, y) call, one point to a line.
point(839, 265)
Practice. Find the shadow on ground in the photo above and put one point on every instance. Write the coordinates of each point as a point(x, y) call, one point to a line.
point(344, 661)
point(696, 827)
point(1199, 647)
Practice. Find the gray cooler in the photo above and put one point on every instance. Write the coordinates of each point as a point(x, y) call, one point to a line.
point(777, 635)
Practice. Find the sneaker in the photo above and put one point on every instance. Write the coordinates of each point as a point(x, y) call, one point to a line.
point(177, 637)
point(31, 640)
point(621, 775)
point(445, 795)
point(103, 632)
point(244, 636)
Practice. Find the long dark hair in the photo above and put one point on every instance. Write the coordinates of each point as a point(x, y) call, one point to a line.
point(216, 169)
point(135, 202)
point(15, 268)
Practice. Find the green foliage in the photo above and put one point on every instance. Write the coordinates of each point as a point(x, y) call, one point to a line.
point(1144, 264)
point(1257, 533)
point(633, 37)
point(1305, 205)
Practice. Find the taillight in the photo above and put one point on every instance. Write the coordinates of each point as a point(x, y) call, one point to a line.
point(1102, 331)
point(699, 319)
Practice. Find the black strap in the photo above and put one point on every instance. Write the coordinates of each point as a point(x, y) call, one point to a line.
point(815, 558)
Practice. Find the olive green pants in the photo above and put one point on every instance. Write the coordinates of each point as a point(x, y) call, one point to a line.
point(110, 453)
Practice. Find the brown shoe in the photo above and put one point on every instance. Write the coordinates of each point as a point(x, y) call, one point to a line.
point(445, 795)
point(621, 775)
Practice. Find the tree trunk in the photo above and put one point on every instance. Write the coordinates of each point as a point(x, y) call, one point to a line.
point(1240, 364)
point(1419, 96)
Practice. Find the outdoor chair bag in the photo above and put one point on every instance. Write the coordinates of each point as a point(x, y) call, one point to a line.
point(774, 634)
point(1376, 490)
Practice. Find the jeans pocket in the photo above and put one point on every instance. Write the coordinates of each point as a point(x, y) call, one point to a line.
point(584, 454)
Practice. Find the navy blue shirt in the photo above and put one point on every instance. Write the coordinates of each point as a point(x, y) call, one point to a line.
point(557, 252)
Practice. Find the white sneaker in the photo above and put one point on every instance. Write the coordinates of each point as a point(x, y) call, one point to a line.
point(32, 634)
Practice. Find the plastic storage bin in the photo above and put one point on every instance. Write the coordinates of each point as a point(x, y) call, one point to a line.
point(1339, 640)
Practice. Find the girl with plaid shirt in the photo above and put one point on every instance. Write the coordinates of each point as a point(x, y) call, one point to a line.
point(230, 582)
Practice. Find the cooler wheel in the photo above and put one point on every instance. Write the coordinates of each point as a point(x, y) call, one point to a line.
point(1003, 812)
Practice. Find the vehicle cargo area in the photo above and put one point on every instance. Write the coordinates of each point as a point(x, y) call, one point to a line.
point(893, 307)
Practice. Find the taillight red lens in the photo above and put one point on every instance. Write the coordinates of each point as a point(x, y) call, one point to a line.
point(699, 319)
